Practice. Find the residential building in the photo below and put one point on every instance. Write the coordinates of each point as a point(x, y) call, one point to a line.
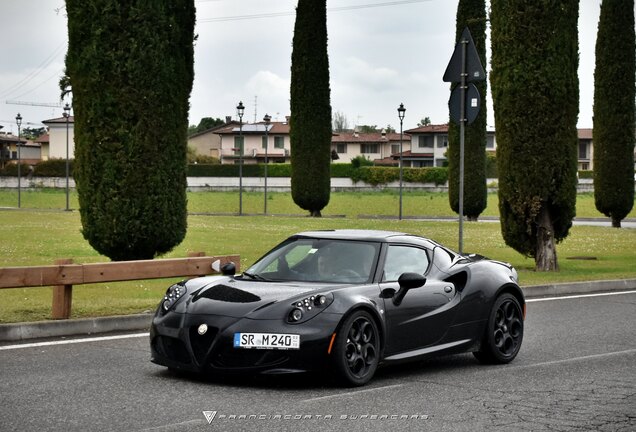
point(208, 142)
point(255, 142)
point(29, 151)
point(585, 150)
point(428, 146)
point(57, 128)
point(44, 141)
point(378, 147)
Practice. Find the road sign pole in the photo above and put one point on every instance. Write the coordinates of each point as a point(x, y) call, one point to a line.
point(464, 67)
point(462, 128)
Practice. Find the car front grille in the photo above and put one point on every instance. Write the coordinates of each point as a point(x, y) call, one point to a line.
point(241, 358)
point(201, 344)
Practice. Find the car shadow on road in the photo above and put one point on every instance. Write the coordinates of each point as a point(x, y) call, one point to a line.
point(325, 379)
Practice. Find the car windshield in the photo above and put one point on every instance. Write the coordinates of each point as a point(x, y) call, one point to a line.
point(318, 260)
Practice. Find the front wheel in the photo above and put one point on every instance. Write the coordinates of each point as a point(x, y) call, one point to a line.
point(357, 349)
point(504, 331)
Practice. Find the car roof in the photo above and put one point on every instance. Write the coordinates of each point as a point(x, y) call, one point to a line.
point(354, 234)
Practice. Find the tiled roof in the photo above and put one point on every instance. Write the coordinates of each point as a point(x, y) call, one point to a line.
point(59, 120)
point(215, 129)
point(443, 128)
point(373, 137)
point(279, 128)
point(42, 138)
point(584, 133)
point(10, 138)
point(410, 154)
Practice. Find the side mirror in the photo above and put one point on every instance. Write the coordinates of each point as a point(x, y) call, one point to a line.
point(407, 281)
point(228, 269)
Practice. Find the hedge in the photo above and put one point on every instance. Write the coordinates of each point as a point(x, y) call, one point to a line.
point(48, 168)
point(57, 168)
point(382, 175)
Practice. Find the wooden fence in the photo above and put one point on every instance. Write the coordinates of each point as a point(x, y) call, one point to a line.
point(64, 274)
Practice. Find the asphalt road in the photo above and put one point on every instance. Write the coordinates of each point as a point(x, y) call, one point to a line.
point(576, 371)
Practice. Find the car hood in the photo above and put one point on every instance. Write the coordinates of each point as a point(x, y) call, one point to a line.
point(238, 298)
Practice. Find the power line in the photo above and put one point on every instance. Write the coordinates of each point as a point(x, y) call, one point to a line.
point(290, 13)
point(38, 70)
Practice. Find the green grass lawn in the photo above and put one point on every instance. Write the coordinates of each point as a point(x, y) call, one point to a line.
point(350, 204)
point(30, 237)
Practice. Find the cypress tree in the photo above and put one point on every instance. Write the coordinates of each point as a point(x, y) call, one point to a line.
point(310, 125)
point(614, 93)
point(471, 13)
point(130, 65)
point(535, 94)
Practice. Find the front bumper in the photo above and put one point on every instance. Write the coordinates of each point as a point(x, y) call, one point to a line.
point(176, 343)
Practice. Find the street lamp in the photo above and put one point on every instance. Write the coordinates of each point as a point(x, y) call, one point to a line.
point(401, 110)
point(18, 121)
point(266, 119)
point(67, 113)
point(240, 110)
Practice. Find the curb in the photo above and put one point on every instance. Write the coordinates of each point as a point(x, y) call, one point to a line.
point(573, 288)
point(141, 322)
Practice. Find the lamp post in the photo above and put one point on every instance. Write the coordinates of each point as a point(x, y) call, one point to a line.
point(266, 119)
point(401, 110)
point(18, 121)
point(67, 113)
point(240, 110)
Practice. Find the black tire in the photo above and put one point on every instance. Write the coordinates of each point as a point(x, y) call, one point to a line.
point(356, 350)
point(504, 332)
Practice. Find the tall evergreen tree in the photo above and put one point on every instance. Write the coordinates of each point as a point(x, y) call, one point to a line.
point(310, 125)
point(471, 14)
point(614, 94)
point(535, 94)
point(130, 65)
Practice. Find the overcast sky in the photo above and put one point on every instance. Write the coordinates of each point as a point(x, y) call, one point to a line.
point(381, 53)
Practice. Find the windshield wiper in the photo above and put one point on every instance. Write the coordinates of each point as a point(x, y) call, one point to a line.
point(255, 276)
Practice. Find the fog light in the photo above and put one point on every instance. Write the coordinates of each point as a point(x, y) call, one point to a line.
point(203, 328)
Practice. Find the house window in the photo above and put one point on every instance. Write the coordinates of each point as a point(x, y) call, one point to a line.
point(442, 141)
point(490, 142)
point(583, 150)
point(425, 141)
point(395, 149)
point(279, 142)
point(585, 166)
point(368, 148)
point(341, 148)
point(239, 142)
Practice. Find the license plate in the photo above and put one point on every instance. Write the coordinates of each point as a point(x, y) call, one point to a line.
point(266, 341)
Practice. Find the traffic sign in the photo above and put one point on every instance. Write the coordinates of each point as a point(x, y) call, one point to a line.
point(471, 107)
point(474, 69)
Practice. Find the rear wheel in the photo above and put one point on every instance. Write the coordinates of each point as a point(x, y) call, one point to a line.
point(357, 349)
point(504, 332)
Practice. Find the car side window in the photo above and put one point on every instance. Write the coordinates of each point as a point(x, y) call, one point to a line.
point(403, 259)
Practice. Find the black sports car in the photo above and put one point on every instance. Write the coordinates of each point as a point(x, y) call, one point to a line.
point(348, 300)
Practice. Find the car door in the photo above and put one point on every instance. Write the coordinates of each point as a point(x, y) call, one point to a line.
point(425, 313)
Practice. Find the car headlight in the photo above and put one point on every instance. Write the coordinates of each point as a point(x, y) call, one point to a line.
point(172, 296)
point(308, 307)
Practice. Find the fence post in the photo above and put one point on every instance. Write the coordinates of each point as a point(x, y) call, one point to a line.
point(62, 297)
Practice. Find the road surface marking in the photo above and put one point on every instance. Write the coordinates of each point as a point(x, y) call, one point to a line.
point(580, 296)
point(74, 341)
